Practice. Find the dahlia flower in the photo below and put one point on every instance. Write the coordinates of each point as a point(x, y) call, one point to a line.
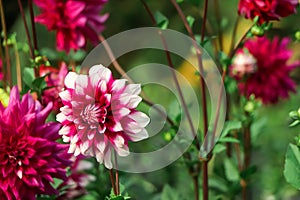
point(55, 83)
point(77, 180)
point(30, 157)
point(267, 9)
point(100, 115)
point(243, 64)
point(270, 79)
point(75, 21)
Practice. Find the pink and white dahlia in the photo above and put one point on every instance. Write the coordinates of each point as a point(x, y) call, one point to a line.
point(75, 21)
point(55, 83)
point(100, 115)
point(267, 10)
point(30, 157)
point(270, 80)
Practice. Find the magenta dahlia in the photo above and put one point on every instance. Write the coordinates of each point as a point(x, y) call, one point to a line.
point(30, 157)
point(270, 79)
point(55, 84)
point(75, 21)
point(100, 115)
point(267, 10)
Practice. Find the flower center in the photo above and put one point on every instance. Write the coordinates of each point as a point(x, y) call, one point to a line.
point(93, 114)
point(15, 157)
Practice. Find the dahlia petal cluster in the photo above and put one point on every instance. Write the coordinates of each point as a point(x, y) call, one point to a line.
point(271, 79)
point(75, 21)
point(77, 180)
point(55, 84)
point(30, 157)
point(267, 9)
point(99, 114)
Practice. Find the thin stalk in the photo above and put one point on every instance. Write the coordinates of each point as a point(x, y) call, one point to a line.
point(18, 67)
point(111, 176)
point(35, 44)
point(3, 67)
point(26, 28)
point(205, 163)
point(117, 175)
point(247, 147)
point(7, 57)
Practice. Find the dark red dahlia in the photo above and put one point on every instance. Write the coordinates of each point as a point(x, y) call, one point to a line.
point(30, 157)
point(267, 9)
point(270, 79)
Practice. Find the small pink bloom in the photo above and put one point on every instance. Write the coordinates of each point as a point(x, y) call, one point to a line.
point(75, 21)
point(271, 80)
point(100, 115)
point(55, 83)
point(30, 157)
point(77, 180)
point(267, 9)
point(243, 64)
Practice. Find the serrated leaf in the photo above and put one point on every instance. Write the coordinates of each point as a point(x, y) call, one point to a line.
point(231, 170)
point(292, 166)
point(229, 139)
point(190, 20)
point(161, 20)
point(229, 126)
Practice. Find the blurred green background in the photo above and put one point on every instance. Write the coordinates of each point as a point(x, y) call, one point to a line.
point(273, 137)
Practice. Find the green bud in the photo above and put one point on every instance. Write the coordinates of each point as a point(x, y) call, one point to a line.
point(297, 36)
point(257, 31)
point(167, 136)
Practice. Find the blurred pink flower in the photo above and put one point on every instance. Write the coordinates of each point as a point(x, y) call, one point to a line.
point(75, 21)
point(78, 179)
point(243, 64)
point(55, 83)
point(271, 80)
point(267, 9)
point(30, 157)
point(99, 114)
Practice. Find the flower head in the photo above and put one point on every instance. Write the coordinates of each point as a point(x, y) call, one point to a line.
point(74, 21)
point(267, 10)
point(271, 79)
point(243, 64)
point(30, 157)
point(99, 114)
point(55, 83)
point(78, 179)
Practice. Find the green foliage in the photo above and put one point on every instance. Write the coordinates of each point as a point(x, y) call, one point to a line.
point(231, 170)
point(292, 166)
point(169, 193)
point(161, 20)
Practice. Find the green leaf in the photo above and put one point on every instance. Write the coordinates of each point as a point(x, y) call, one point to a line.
point(161, 20)
point(294, 123)
point(179, 1)
point(231, 170)
point(219, 148)
point(229, 126)
point(190, 20)
point(292, 166)
point(229, 139)
point(28, 76)
point(169, 193)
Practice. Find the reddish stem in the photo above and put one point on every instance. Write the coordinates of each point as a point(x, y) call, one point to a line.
point(111, 176)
